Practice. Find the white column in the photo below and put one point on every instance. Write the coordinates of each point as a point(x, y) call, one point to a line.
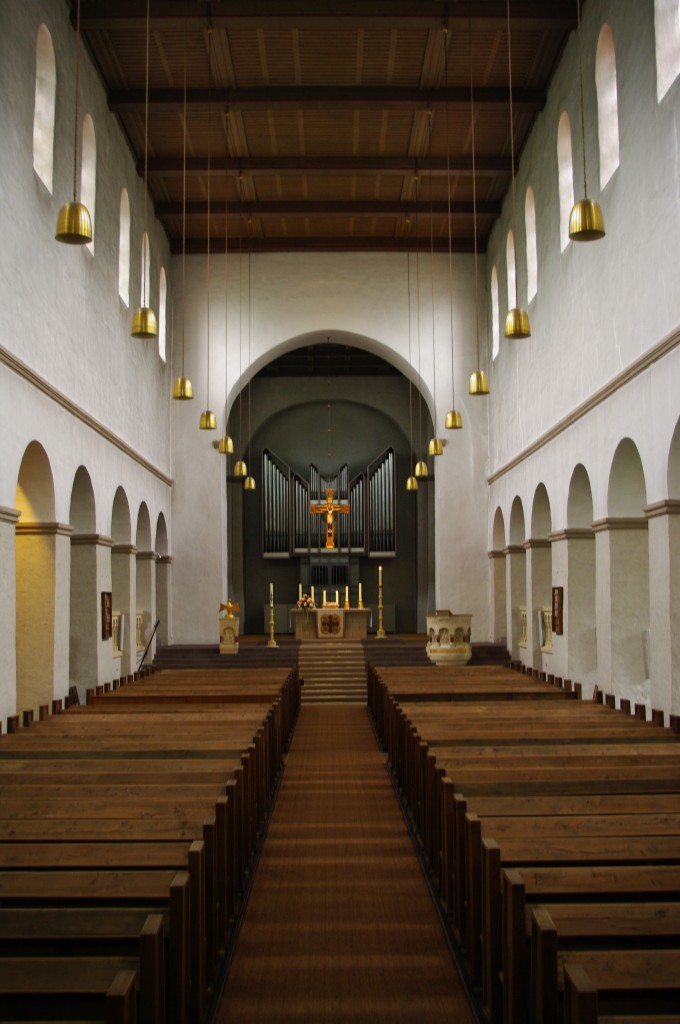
point(663, 519)
point(8, 612)
point(622, 594)
point(163, 602)
point(146, 597)
point(499, 625)
point(539, 595)
point(516, 590)
point(124, 588)
point(575, 652)
point(91, 656)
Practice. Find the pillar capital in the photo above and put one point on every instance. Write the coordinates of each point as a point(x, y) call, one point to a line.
point(668, 507)
point(572, 533)
point(45, 529)
point(9, 515)
point(93, 539)
point(620, 523)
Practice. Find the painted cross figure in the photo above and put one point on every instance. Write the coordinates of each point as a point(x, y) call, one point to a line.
point(329, 510)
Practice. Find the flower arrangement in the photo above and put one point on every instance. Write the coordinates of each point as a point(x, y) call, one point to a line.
point(306, 602)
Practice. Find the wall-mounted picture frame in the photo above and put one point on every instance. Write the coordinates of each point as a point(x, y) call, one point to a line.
point(107, 614)
point(557, 603)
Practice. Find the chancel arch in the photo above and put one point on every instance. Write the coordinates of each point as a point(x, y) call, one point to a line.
point(39, 650)
point(580, 624)
point(123, 585)
point(539, 582)
point(516, 583)
point(498, 581)
point(624, 558)
point(336, 414)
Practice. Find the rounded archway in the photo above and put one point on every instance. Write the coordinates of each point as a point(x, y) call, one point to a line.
point(516, 569)
point(330, 414)
point(498, 578)
point(84, 629)
point(539, 570)
point(36, 542)
point(123, 577)
point(580, 603)
point(145, 585)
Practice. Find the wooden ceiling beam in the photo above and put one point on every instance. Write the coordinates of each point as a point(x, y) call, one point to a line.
point(104, 15)
point(333, 208)
point(172, 167)
point(126, 101)
point(286, 243)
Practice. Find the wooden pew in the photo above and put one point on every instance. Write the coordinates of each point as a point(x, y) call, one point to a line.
point(571, 933)
point(50, 985)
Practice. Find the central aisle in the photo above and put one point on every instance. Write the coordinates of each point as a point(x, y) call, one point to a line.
point(340, 925)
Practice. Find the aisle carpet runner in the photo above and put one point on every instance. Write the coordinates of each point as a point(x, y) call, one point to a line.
point(340, 926)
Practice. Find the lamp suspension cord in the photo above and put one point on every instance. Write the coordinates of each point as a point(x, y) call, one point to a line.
point(328, 404)
point(512, 145)
point(434, 382)
point(210, 32)
point(410, 367)
point(474, 186)
point(448, 213)
point(75, 144)
point(226, 271)
point(146, 156)
point(580, 77)
point(240, 319)
point(184, 200)
point(420, 396)
point(250, 376)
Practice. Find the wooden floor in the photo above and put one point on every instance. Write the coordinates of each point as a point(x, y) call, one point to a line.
point(340, 924)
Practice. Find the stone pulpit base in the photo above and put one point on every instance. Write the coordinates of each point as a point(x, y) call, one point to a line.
point(448, 638)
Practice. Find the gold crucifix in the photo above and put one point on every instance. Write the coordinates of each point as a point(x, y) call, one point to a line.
point(329, 510)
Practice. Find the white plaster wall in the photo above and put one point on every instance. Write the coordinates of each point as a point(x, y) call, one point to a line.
point(355, 299)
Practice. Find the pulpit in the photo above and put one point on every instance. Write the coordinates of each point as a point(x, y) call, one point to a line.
point(448, 638)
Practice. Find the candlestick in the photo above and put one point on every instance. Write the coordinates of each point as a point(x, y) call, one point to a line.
point(299, 591)
point(361, 598)
point(324, 598)
point(271, 595)
point(311, 593)
point(380, 575)
point(337, 600)
point(346, 597)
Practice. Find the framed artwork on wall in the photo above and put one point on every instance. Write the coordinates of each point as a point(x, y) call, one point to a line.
point(107, 614)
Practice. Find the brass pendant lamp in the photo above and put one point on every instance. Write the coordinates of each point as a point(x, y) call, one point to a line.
point(144, 323)
point(183, 389)
point(517, 321)
point(412, 481)
point(240, 468)
point(420, 470)
point(454, 420)
point(74, 224)
point(586, 221)
point(208, 420)
point(249, 482)
point(479, 382)
point(436, 445)
point(225, 445)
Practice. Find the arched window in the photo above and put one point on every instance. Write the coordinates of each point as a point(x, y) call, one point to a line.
point(43, 115)
point(495, 330)
point(162, 307)
point(607, 105)
point(566, 177)
point(88, 172)
point(532, 252)
point(667, 32)
point(124, 248)
point(512, 275)
point(146, 268)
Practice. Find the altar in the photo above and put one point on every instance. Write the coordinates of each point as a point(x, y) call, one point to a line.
point(331, 623)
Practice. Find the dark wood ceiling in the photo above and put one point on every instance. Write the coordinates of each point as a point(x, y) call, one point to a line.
point(326, 126)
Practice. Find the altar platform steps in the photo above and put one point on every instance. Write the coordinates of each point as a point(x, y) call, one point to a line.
point(334, 672)
point(253, 652)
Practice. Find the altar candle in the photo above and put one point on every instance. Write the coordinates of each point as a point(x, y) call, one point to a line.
point(311, 593)
point(360, 595)
point(337, 599)
point(324, 598)
point(299, 591)
point(271, 595)
point(380, 575)
point(346, 595)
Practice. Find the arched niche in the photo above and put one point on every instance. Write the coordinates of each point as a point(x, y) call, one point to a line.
point(145, 588)
point(121, 530)
point(161, 545)
point(628, 574)
point(123, 585)
point(143, 535)
point(541, 518)
point(673, 475)
point(498, 581)
point(163, 582)
point(580, 610)
point(85, 621)
point(580, 500)
point(516, 584)
point(539, 573)
point(36, 566)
